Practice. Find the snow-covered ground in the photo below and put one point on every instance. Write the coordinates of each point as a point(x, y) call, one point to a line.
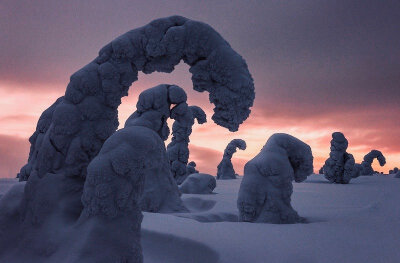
point(358, 222)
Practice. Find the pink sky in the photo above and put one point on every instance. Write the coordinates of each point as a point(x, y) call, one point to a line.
point(21, 109)
point(318, 67)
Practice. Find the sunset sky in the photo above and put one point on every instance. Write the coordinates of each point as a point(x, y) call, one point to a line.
point(318, 67)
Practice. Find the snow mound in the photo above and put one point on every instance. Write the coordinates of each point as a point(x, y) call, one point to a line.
point(198, 183)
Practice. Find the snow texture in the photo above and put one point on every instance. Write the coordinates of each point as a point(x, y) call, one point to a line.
point(266, 188)
point(368, 159)
point(113, 189)
point(356, 170)
point(191, 168)
point(161, 193)
point(79, 123)
point(198, 183)
point(36, 139)
point(339, 166)
point(178, 148)
point(225, 168)
point(334, 222)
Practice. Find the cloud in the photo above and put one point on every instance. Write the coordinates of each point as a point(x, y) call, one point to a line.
point(13, 155)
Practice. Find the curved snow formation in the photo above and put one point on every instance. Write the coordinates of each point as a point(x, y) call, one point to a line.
point(394, 171)
point(266, 188)
point(369, 158)
point(198, 183)
point(87, 115)
point(178, 148)
point(225, 167)
point(161, 193)
point(339, 166)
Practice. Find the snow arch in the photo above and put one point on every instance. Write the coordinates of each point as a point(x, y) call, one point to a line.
point(87, 115)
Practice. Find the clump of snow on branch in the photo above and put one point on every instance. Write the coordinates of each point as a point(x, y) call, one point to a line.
point(191, 168)
point(339, 166)
point(366, 164)
point(266, 188)
point(178, 148)
point(198, 183)
point(225, 167)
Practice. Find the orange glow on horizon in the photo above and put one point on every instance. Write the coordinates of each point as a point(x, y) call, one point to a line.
point(21, 110)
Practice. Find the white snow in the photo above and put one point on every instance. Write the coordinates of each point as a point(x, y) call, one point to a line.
point(357, 222)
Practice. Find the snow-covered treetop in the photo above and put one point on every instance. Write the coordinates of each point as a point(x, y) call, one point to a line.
point(162, 44)
point(233, 145)
point(339, 142)
point(299, 153)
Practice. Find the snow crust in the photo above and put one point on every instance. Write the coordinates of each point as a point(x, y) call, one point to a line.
point(363, 230)
point(266, 188)
point(198, 183)
point(225, 169)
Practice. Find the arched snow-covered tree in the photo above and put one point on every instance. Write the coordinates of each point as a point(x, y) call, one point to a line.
point(80, 122)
